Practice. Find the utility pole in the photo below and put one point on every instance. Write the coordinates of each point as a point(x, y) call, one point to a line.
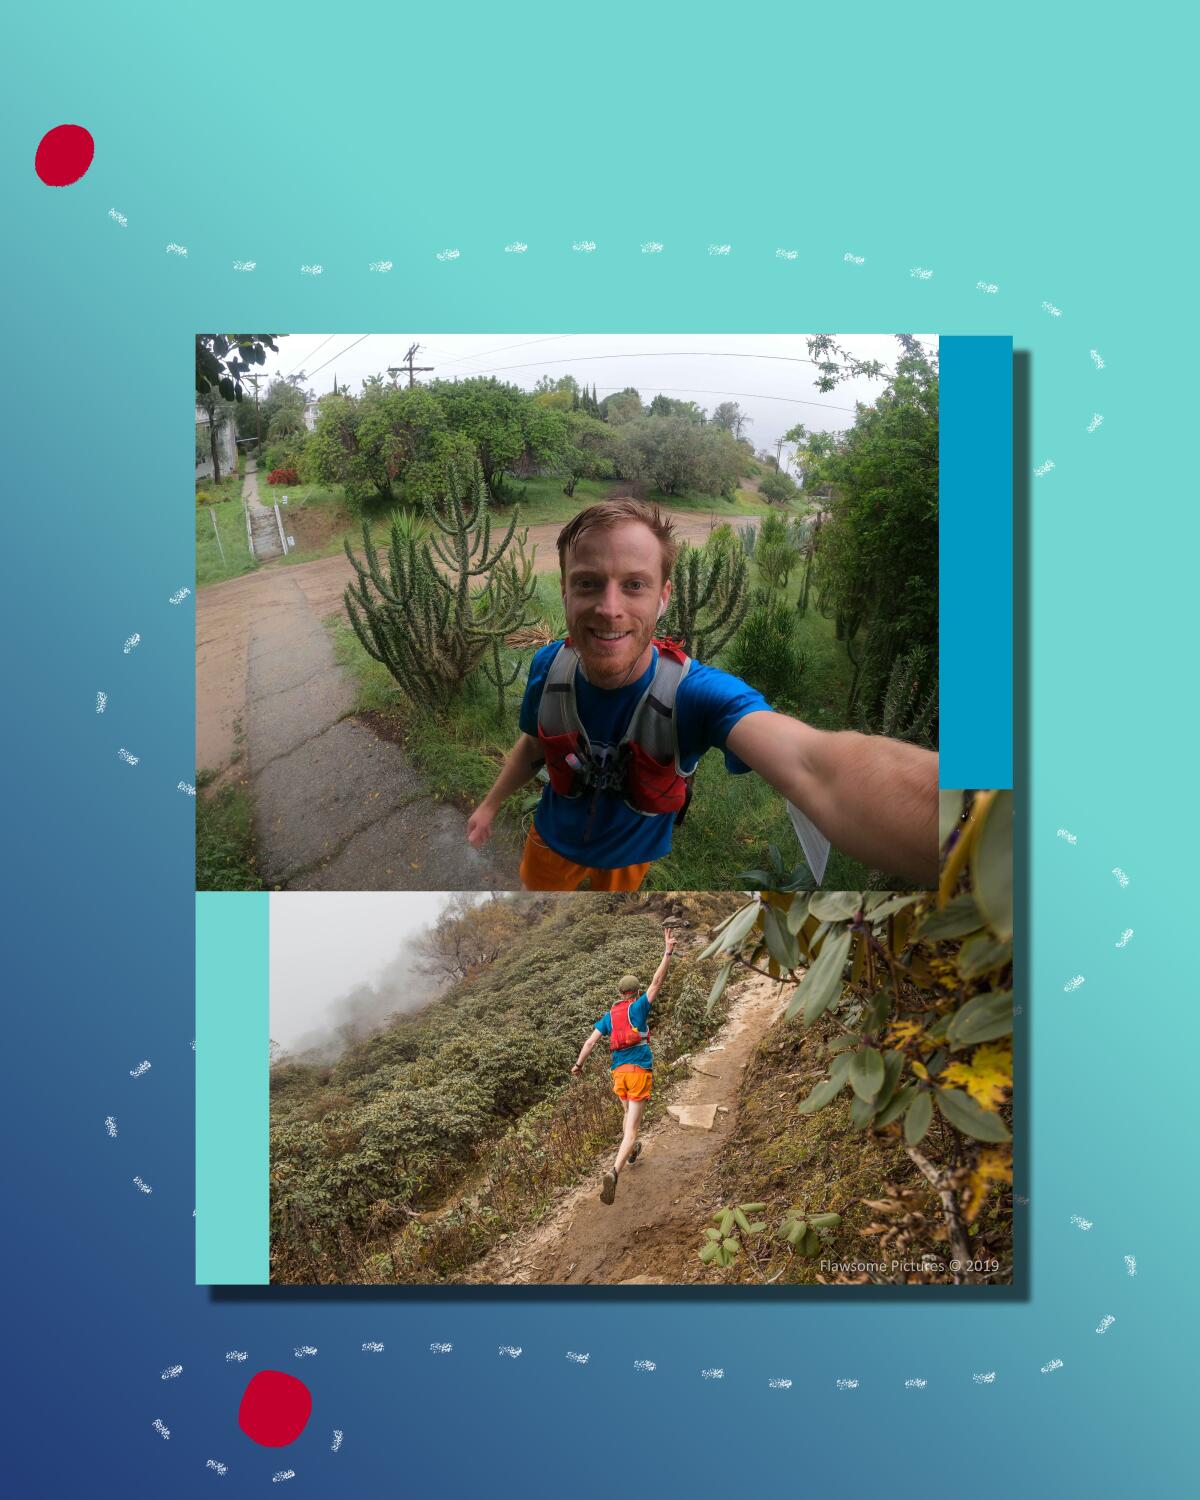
point(257, 413)
point(407, 364)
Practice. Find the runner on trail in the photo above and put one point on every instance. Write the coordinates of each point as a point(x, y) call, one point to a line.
point(626, 1025)
point(621, 718)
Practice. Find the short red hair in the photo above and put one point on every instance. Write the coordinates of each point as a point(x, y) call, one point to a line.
point(609, 513)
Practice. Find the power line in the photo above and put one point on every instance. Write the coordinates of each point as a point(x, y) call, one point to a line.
point(791, 359)
point(691, 390)
point(317, 350)
point(486, 353)
point(329, 361)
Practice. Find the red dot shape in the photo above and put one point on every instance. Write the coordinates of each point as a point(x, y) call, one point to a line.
point(63, 155)
point(275, 1408)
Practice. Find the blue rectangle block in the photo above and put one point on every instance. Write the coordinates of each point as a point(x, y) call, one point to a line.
point(976, 562)
point(232, 1088)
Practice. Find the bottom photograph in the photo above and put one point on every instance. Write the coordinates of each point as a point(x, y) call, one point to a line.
point(688, 1089)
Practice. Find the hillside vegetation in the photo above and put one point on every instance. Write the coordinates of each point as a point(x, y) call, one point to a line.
point(412, 1153)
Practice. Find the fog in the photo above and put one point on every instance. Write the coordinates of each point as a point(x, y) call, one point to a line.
point(342, 962)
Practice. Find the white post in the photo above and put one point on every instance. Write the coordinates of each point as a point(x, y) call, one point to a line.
point(212, 516)
point(279, 523)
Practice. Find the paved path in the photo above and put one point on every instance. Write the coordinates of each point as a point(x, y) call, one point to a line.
point(336, 808)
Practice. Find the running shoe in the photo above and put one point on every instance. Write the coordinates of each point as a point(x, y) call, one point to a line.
point(609, 1191)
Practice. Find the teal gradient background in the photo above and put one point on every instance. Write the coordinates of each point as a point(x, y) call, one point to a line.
point(1035, 149)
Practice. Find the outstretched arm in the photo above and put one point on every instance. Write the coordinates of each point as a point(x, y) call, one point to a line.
point(660, 973)
point(874, 798)
point(519, 766)
point(584, 1050)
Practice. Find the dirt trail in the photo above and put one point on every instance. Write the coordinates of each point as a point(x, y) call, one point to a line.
point(226, 614)
point(657, 1204)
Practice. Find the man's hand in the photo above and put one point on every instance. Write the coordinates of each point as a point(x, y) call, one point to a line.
point(479, 826)
point(874, 798)
point(577, 1070)
point(519, 765)
point(669, 940)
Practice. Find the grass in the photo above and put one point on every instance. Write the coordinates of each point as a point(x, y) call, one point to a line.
point(733, 819)
point(230, 522)
point(320, 516)
point(545, 502)
point(225, 849)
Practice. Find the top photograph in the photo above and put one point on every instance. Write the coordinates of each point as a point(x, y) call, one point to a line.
point(567, 612)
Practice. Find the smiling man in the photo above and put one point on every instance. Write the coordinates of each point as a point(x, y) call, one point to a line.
point(621, 719)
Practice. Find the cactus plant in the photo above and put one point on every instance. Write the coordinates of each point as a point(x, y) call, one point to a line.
point(425, 625)
point(709, 598)
point(510, 593)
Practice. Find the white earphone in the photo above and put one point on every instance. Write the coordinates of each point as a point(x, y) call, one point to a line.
point(662, 609)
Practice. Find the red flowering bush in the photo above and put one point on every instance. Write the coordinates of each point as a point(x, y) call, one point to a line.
point(283, 476)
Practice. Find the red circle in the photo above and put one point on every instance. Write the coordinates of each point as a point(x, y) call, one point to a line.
point(63, 155)
point(275, 1408)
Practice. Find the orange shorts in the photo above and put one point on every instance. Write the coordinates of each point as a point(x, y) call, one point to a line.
point(544, 870)
point(631, 1082)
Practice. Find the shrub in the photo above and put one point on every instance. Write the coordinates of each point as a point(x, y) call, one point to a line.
point(283, 476)
point(777, 488)
point(775, 563)
point(765, 652)
point(204, 498)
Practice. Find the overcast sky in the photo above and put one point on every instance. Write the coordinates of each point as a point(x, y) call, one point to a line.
point(325, 943)
point(768, 375)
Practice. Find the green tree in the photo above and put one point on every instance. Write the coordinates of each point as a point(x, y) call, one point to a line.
point(388, 436)
point(503, 424)
point(223, 358)
point(730, 416)
point(217, 411)
point(778, 488)
point(622, 406)
point(876, 560)
point(667, 406)
point(586, 454)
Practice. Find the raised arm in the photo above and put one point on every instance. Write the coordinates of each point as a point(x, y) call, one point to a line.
point(872, 797)
point(660, 973)
point(519, 766)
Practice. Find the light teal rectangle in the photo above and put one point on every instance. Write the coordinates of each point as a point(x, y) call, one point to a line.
point(232, 1099)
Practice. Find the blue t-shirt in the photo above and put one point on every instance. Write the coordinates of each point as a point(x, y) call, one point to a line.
point(708, 704)
point(640, 1055)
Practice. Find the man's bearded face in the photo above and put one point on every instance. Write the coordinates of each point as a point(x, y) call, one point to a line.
point(612, 592)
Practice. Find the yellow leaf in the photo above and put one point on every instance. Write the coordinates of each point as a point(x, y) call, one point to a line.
point(994, 1165)
point(919, 1069)
point(988, 1076)
point(899, 1033)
